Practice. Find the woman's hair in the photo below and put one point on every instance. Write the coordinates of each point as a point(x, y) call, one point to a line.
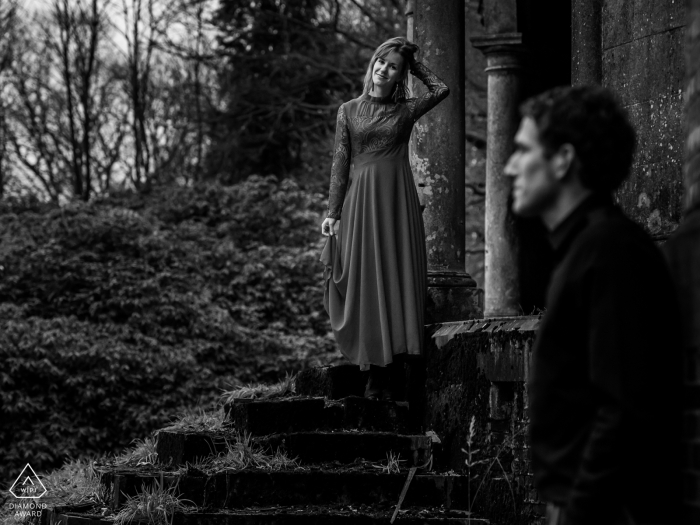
point(404, 48)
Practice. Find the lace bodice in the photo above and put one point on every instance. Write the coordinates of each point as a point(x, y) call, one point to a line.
point(369, 123)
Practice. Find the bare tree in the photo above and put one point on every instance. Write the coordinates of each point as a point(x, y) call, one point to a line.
point(64, 130)
point(165, 113)
point(8, 26)
point(145, 92)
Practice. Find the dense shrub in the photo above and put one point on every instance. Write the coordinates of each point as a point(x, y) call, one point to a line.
point(118, 314)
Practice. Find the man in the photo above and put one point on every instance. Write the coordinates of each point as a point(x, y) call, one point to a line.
point(604, 393)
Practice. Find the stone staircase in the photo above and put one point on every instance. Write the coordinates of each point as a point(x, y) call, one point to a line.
point(355, 460)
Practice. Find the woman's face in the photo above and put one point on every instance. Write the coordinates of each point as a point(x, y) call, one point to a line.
point(388, 70)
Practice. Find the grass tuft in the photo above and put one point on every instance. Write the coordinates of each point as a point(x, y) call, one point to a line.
point(242, 454)
point(201, 421)
point(74, 483)
point(143, 453)
point(155, 504)
point(392, 463)
point(284, 388)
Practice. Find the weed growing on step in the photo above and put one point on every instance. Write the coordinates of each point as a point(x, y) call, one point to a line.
point(155, 504)
point(7, 514)
point(284, 388)
point(471, 461)
point(201, 421)
point(392, 463)
point(242, 453)
point(74, 483)
point(143, 453)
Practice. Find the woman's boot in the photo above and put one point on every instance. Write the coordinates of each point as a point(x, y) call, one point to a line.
point(379, 383)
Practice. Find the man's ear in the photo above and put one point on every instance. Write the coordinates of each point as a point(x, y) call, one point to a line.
point(564, 161)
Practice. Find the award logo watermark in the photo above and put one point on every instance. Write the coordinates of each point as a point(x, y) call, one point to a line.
point(27, 489)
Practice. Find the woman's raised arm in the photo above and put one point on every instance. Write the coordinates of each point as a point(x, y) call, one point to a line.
point(437, 91)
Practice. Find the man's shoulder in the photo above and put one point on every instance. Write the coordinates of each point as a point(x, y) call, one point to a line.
point(610, 234)
point(611, 225)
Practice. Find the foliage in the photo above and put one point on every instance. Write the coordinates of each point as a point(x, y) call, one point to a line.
point(200, 421)
point(286, 67)
point(143, 453)
point(120, 313)
point(392, 463)
point(281, 389)
point(74, 483)
point(490, 456)
point(201, 90)
point(242, 453)
point(154, 504)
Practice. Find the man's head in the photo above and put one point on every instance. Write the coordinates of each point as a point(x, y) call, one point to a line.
point(573, 141)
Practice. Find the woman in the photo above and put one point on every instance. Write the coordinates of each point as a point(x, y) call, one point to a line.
point(376, 270)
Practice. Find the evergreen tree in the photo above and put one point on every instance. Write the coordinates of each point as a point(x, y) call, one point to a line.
point(288, 65)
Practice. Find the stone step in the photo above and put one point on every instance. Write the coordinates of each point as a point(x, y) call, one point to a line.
point(332, 382)
point(121, 483)
point(348, 515)
point(296, 414)
point(297, 515)
point(178, 447)
point(260, 488)
point(346, 447)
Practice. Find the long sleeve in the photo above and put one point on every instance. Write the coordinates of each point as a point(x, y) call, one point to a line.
point(341, 166)
point(437, 91)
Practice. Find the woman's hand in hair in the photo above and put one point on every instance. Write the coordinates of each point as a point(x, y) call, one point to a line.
point(410, 50)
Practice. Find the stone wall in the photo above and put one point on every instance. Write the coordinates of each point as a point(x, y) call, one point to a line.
point(642, 48)
point(683, 253)
point(477, 370)
point(475, 158)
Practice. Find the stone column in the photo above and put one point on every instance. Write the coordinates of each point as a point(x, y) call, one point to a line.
point(437, 160)
point(503, 66)
point(409, 20)
point(586, 42)
point(692, 101)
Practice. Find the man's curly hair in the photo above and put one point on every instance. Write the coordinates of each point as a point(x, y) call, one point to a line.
point(593, 121)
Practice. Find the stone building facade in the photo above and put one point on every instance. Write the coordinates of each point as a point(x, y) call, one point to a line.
point(648, 51)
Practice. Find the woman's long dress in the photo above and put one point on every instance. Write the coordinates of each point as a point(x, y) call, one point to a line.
point(376, 268)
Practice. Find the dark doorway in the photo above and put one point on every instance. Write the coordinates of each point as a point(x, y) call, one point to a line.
point(546, 29)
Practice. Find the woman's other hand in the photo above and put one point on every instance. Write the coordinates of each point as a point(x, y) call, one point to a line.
point(327, 226)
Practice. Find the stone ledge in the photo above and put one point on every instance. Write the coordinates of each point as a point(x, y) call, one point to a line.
point(444, 332)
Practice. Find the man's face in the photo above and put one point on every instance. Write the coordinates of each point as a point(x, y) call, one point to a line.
point(535, 186)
